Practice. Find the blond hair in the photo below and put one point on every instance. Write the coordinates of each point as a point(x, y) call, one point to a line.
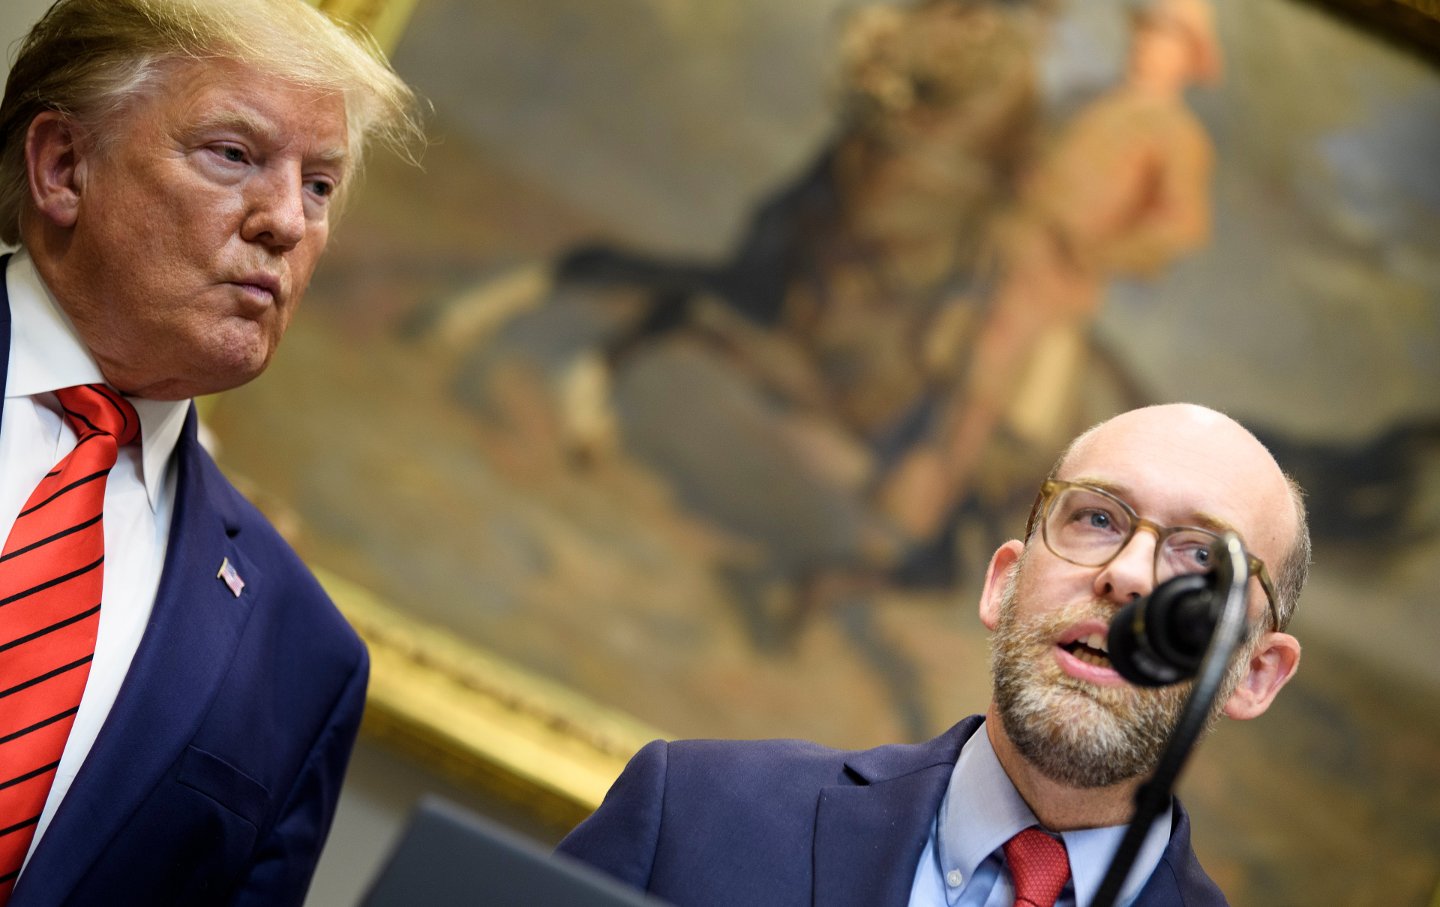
point(91, 59)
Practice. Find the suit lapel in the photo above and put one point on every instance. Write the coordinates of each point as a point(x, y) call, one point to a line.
point(1178, 872)
point(868, 835)
point(192, 634)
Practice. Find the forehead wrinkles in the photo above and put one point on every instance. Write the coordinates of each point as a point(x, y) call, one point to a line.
point(249, 123)
point(209, 96)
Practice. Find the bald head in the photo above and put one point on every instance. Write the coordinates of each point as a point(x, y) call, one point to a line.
point(1194, 463)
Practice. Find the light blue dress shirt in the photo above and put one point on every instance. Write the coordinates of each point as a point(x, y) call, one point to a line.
point(962, 864)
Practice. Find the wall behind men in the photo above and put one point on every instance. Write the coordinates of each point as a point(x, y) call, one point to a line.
point(19, 16)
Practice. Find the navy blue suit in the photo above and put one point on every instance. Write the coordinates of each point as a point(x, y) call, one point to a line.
point(786, 822)
point(215, 776)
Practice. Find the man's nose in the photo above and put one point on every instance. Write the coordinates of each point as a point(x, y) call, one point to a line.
point(276, 210)
point(1131, 572)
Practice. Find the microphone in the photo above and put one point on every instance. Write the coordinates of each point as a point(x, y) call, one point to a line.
point(1160, 639)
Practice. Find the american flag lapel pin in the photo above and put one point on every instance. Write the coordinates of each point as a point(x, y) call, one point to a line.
point(232, 580)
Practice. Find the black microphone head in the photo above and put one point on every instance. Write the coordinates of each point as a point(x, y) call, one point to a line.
point(1161, 638)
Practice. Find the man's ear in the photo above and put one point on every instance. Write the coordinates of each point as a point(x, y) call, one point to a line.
point(1002, 565)
point(1272, 664)
point(55, 167)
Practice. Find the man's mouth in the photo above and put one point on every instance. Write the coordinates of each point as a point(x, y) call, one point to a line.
point(262, 288)
point(1091, 649)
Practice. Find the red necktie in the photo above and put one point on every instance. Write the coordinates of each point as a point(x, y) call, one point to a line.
point(1038, 866)
point(51, 570)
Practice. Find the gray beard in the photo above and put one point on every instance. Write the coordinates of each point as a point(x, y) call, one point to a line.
point(1076, 733)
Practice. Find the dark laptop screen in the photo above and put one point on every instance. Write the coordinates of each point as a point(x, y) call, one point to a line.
point(450, 856)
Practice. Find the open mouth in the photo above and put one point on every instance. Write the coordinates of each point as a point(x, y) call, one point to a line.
point(1090, 649)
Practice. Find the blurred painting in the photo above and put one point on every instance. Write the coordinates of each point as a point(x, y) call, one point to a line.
point(716, 346)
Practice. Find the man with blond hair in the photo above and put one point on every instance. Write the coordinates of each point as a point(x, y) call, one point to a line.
point(178, 697)
point(1026, 803)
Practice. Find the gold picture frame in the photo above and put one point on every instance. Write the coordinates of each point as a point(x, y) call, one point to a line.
point(481, 721)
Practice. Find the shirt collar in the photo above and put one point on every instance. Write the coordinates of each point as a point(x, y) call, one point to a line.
point(982, 810)
point(47, 354)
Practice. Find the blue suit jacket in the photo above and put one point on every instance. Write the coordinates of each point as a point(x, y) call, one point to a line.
point(785, 822)
point(215, 776)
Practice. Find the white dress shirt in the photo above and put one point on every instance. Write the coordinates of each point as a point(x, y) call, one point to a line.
point(46, 355)
point(962, 864)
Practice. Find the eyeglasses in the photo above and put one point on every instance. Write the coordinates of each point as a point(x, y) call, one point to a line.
point(1089, 526)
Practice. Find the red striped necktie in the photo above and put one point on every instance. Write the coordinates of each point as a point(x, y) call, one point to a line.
point(51, 572)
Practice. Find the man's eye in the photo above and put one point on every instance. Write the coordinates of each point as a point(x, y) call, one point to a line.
point(1090, 518)
point(232, 154)
point(322, 188)
point(1191, 554)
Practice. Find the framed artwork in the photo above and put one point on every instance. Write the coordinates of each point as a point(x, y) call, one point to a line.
point(688, 386)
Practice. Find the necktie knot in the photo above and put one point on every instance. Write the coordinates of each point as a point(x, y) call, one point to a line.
point(94, 408)
point(1039, 867)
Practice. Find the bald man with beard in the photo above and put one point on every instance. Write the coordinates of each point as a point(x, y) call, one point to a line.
point(1064, 745)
